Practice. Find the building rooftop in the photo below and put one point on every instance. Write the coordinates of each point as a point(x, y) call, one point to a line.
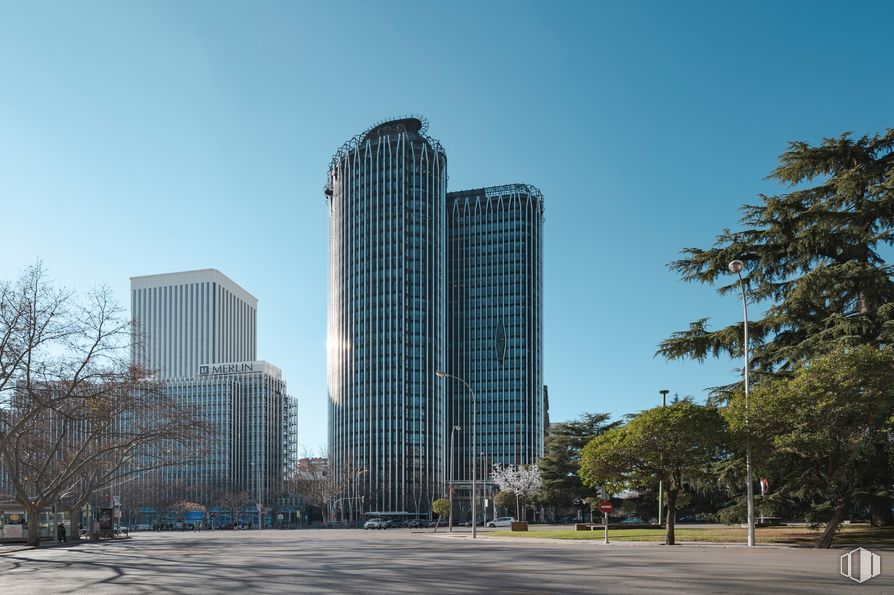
point(412, 124)
point(496, 191)
point(196, 276)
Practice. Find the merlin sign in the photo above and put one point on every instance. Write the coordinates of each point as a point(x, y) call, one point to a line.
point(225, 369)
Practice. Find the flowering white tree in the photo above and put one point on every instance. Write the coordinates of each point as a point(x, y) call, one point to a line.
point(521, 480)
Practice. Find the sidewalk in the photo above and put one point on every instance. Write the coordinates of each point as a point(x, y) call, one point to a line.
point(9, 548)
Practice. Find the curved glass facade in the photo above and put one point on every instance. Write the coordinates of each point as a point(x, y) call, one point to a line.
point(386, 194)
point(495, 324)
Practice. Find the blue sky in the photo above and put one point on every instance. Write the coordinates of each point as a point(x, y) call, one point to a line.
point(148, 137)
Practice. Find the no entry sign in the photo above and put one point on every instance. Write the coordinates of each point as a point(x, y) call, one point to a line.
point(605, 506)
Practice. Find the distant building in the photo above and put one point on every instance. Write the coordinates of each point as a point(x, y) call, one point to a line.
point(254, 418)
point(495, 323)
point(186, 319)
point(198, 331)
point(314, 464)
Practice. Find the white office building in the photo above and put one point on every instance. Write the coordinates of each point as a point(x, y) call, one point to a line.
point(187, 319)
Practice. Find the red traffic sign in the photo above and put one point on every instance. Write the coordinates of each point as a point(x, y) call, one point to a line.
point(605, 506)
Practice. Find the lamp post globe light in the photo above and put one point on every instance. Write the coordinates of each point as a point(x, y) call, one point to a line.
point(442, 374)
point(736, 267)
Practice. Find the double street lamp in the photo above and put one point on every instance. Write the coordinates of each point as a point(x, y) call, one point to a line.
point(736, 267)
point(441, 374)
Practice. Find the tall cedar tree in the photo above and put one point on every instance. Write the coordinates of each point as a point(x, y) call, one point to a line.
point(559, 466)
point(813, 255)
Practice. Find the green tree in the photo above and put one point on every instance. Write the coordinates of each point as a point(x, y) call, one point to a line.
point(827, 434)
point(440, 507)
point(811, 254)
point(559, 466)
point(670, 444)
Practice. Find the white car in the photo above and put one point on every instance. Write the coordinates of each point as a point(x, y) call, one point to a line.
point(503, 521)
point(374, 524)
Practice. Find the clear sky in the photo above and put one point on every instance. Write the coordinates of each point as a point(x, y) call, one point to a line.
point(149, 137)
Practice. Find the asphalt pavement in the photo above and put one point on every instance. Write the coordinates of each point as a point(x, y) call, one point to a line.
point(413, 561)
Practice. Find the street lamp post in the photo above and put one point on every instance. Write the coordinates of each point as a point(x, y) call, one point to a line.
point(259, 506)
point(361, 498)
point(484, 490)
point(736, 267)
point(441, 374)
point(663, 392)
point(450, 489)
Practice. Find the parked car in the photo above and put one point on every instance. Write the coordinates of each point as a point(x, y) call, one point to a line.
point(632, 520)
point(392, 524)
point(503, 521)
point(375, 524)
point(417, 524)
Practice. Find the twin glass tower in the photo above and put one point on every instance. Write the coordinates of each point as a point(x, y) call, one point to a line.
point(422, 280)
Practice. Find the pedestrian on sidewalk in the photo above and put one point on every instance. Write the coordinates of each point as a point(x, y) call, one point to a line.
point(61, 534)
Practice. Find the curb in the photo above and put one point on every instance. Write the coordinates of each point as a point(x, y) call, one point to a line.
point(689, 544)
point(622, 543)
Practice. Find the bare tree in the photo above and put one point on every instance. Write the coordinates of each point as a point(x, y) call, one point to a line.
point(182, 507)
point(233, 501)
point(522, 480)
point(75, 415)
point(314, 482)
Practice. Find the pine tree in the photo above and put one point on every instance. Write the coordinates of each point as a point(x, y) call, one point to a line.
point(811, 253)
point(559, 465)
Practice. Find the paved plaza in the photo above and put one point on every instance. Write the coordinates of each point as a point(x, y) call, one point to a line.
point(407, 561)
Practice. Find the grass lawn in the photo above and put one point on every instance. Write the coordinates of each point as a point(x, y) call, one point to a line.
point(792, 535)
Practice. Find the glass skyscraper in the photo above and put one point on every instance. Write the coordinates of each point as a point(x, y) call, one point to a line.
point(386, 194)
point(495, 324)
